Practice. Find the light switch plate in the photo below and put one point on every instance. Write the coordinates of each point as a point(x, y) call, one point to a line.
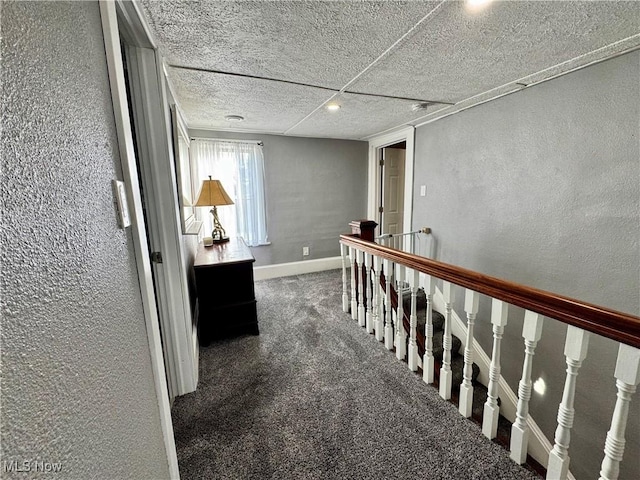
point(423, 190)
point(120, 195)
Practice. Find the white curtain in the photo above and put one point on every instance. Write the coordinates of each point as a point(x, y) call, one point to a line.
point(240, 168)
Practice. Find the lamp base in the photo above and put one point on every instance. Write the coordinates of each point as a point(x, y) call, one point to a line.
point(218, 234)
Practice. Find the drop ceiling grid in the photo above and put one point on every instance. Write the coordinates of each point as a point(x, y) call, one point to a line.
point(459, 55)
point(610, 51)
point(266, 106)
point(320, 43)
point(358, 117)
point(419, 24)
point(497, 47)
point(451, 57)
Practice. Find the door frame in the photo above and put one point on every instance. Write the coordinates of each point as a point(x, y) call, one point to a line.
point(406, 134)
point(156, 161)
point(129, 15)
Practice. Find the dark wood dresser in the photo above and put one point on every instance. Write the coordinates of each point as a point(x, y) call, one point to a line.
point(224, 282)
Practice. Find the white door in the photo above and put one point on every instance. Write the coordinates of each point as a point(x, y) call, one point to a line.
point(163, 221)
point(393, 190)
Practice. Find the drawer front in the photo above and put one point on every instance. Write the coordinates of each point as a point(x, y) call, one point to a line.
point(225, 285)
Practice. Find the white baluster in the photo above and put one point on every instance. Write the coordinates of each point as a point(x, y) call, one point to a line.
point(345, 288)
point(445, 371)
point(354, 293)
point(361, 274)
point(471, 300)
point(575, 351)
point(401, 335)
point(412, 358)
point(491, 409)
point(531, 332)
point(627, 379)
point(388, 325)
point(428, 363)
point(369, 294)
point(379, 323)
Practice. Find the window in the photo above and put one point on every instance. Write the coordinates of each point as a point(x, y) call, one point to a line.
point(240, 168)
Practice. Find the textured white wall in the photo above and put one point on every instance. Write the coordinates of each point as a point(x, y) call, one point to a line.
point(542, 188)
point(77, 384)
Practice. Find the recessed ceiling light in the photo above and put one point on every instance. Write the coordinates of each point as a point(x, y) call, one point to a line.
point(477, 4)
point(233, 118)
point(333, 107)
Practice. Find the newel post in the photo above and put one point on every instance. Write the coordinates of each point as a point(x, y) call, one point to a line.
point(365, 229)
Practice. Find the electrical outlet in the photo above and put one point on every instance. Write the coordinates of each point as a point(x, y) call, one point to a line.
point(305, 251)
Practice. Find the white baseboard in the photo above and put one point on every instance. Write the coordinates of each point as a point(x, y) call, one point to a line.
point(296, 268)
point(539, 444)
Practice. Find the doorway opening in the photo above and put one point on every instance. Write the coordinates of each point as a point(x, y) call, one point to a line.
point(390, 182)
point(391, 195)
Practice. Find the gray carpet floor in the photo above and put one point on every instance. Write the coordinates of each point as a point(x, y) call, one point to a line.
point(315, 397)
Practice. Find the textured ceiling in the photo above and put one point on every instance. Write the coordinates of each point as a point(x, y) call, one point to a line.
point(224, 57)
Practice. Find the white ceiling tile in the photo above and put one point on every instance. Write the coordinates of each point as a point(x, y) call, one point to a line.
point(458, 54)
point(323, 43)
point(552, 72)
point(358, 117)
point(206, 98)
point(422, 50)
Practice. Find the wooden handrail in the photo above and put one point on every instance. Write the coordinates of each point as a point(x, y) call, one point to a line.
point(619, 326)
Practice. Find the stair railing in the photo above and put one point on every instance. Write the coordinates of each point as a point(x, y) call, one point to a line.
point(387, 264)
point(411, 242)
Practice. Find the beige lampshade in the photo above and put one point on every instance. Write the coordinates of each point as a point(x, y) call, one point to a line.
point(212, 193)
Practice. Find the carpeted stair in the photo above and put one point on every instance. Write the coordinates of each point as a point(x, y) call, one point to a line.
point(457, 358)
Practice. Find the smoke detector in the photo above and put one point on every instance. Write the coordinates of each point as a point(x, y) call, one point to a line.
point(420, 106)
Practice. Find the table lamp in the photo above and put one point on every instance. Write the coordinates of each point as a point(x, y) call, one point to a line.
point(212, 194)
